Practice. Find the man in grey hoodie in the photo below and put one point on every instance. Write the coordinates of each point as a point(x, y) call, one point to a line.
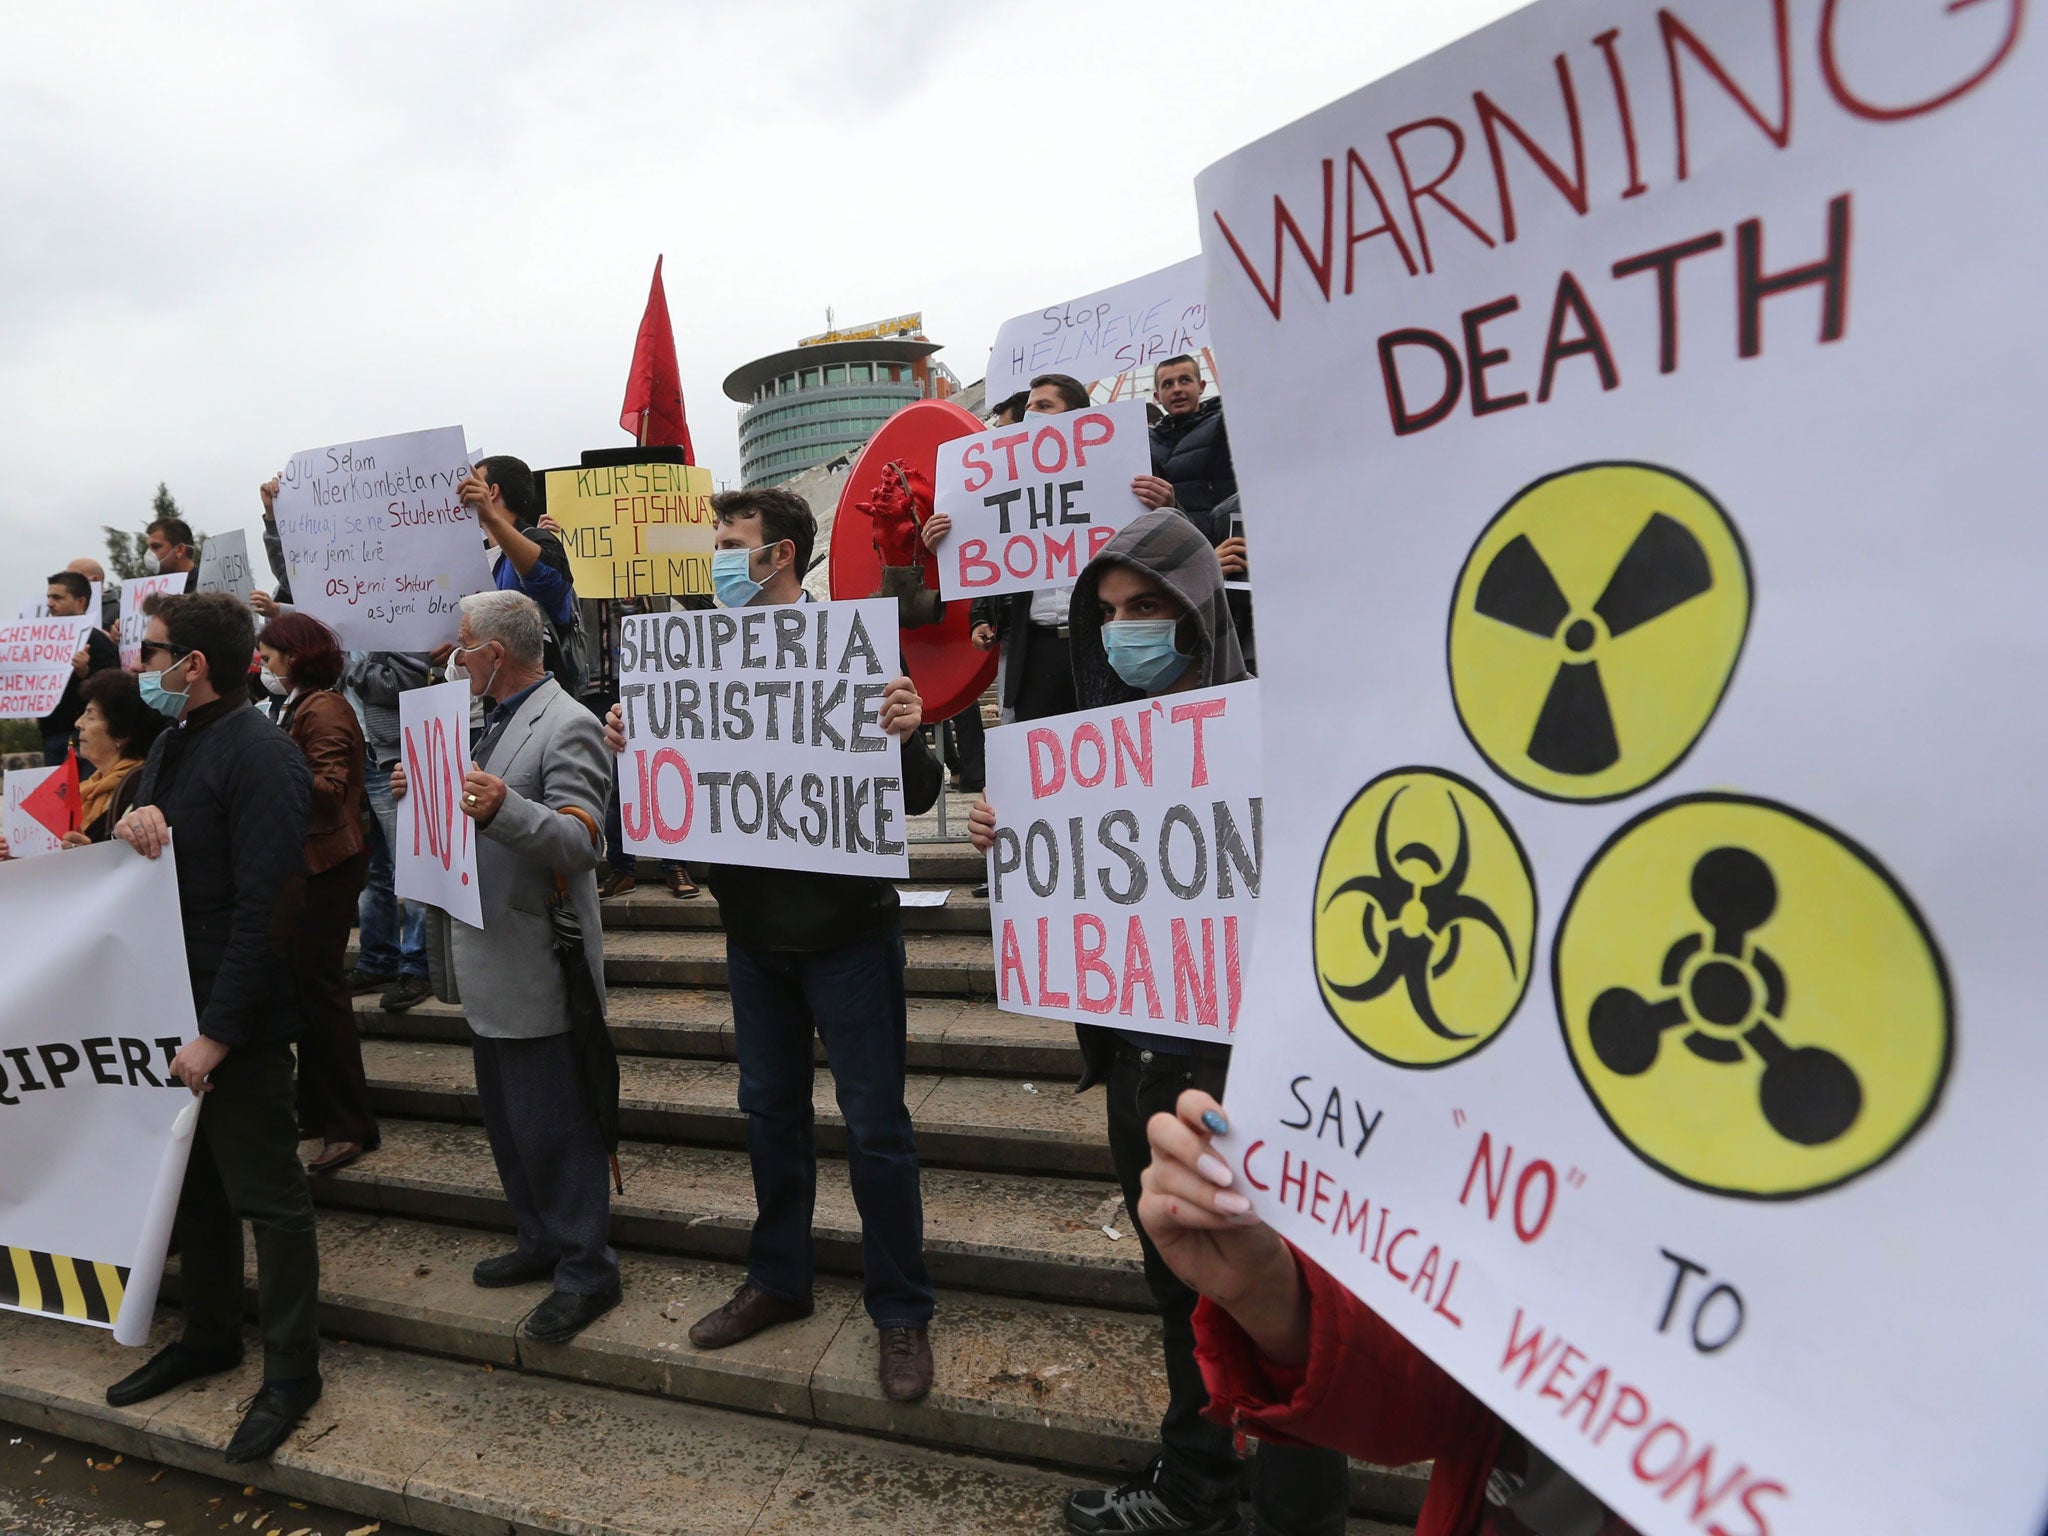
point(1149, 618)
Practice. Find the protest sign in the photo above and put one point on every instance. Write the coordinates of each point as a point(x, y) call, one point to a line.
point(1654, 1039)
point(26, 835)
point(377, 545)
point(35, 664)
point(38, 607)
point(1124, 878)
point(1134, 326)
point(635, 530)
point(94, 1131)
point(1033, 503)
point(224, 565)
point(134, 592)
point(754, 736)
point(436, 856)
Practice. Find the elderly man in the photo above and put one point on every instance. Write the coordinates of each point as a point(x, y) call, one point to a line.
point(537, 794)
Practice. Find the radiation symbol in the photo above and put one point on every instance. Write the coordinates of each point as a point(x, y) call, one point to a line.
point(1595, 627)
point(1425, 918)
point(1751, 1000)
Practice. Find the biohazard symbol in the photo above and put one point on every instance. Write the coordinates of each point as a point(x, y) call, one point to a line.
point(1595, 627)
point(1751, 1000)
point(1424, 919)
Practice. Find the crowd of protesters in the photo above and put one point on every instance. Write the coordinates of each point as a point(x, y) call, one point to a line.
point(285, 817)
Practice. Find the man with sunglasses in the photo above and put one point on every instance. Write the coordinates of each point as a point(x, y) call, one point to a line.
point(235, 790)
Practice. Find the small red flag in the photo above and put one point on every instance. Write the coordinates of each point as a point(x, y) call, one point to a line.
point(54, 802)
point(653, 411)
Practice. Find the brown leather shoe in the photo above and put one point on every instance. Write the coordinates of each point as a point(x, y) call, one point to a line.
point(906, 1369)
point(750, 1310)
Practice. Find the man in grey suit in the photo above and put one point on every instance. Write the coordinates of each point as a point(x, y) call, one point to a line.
point(537, 794)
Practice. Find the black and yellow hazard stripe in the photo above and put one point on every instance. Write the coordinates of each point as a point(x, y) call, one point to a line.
point(63, 1287)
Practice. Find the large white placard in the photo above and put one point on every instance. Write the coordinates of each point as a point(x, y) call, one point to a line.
point(1124, 880)
point(1650, 398)
point(224, 565)
point(27, 838)
point(377, 544)
point(38, 607)
point(94, 1131)
point(35, 664)
point(135, 591)
point(1033, 503)
point(436, 859)
point(754, 736)
point(1134, 326)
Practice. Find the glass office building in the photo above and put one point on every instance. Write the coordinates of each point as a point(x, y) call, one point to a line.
point(825, 398)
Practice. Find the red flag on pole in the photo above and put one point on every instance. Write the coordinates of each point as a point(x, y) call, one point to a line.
point(653, 411)
point(54, 802)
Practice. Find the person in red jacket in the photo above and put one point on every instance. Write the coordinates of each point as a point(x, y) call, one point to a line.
point(1290, 1356)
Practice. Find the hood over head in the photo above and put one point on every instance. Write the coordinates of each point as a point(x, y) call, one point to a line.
point(1172, 551)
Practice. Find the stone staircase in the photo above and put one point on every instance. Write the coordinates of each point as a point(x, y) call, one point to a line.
point(1048, 1371)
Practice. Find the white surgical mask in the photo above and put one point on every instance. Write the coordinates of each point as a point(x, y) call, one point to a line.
point(275, 685)
point(151, 566)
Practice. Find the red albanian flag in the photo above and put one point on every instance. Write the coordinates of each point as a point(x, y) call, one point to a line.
point(653, 411)
point(54, 802)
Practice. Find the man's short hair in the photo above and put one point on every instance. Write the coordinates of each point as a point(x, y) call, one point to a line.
point(515, 483)
point(783, 515)
point(219, 626)
point(174, 529)
point(1071, 390)
point(512, 619)
point(1166, 363)
point(74, 584)
point(1011, 411)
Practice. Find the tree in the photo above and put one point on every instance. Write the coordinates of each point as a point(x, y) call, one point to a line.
point(125, 550)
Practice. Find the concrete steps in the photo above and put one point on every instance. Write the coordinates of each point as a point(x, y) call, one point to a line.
point(651, 906)
point(963, 1120)
point(936, 964)
point(1018, 1234)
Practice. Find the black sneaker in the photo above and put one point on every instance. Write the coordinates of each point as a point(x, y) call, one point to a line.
point(404, 992)
point(361, 981)
point(1142, 1505)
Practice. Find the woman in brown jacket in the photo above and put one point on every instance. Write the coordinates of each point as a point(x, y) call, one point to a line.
point(301, 665)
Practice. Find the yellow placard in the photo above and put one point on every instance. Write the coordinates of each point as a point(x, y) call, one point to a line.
point(635, 530)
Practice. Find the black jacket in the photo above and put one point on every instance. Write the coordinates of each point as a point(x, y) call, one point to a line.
point(790, 909)
point(101, 653)
point(235, 791)
point(1192, 453)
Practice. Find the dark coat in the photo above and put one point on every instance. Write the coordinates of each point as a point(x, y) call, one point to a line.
point(792, 909)
point(101, 653)
point(235, 791)
point(1192, 453)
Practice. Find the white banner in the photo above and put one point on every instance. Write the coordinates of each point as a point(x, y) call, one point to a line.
point(93, 1130)
point(38, 607)
point(376, 543)
point(1124, 881)
point(27, 838)
point(224, 565)
point(35, 664)
point(1033, 503)
point(754, 736)
point(1134, 326)
point(1657, 687)
point(436, 857)
point(134, 592)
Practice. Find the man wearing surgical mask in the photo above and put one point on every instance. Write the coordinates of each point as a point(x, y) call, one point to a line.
point(169, 551)
point(821, 955)
point(1148, 619)
point(237, 793)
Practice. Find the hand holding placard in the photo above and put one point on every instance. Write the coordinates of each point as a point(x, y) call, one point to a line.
point(435, 861)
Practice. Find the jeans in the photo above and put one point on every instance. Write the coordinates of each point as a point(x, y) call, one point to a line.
point(852, 999)
point(1296, 1490)
point(394, 932)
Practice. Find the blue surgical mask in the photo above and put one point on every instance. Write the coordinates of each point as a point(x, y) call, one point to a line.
point(1143, 653)
point(166, 702)
point(732, 577)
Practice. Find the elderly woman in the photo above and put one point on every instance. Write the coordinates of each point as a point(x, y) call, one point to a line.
point(114, 734)
point(302, 663)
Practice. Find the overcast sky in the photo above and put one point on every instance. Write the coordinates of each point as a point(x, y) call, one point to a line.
point(228, 232)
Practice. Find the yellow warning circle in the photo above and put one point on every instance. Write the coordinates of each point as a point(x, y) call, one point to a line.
point(1751, 1000)
point(1425, 919)
point(1595, 627)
